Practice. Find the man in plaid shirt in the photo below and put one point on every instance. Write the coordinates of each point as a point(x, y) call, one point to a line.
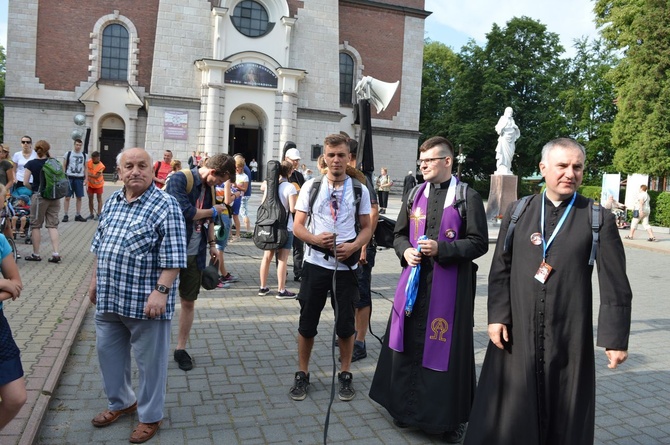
point(140, 246)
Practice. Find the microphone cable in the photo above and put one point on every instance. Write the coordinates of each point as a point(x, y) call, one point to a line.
point(333, 295)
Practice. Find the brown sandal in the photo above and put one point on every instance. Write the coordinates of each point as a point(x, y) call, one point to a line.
point(108, 417)
point(144, 432)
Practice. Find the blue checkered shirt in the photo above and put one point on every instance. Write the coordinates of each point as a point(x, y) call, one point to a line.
point(134, 242)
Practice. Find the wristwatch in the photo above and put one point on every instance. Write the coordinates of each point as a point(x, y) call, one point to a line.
point(162, 289)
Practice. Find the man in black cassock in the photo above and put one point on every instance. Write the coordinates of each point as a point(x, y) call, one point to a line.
point(418, 386)
point(407, 184)
point(537, 384)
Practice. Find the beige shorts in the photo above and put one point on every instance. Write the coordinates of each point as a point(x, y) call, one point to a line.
point(43, 211)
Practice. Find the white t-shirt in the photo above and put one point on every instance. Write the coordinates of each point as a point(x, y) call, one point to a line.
point(286, 189)
point(323, 216)
point(20, 162)
point(240, 178)
point(76, 164)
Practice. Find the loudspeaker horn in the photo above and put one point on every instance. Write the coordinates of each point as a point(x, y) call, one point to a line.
point(376, 91)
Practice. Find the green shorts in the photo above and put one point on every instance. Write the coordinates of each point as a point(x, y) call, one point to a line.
point(190, 279)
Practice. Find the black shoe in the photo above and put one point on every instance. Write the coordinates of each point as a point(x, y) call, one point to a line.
point(66, 218)
point(346, 391)
point(298, 391)
point(296, 279)
point(183, 359)
point(79, 218)
point(359, 353)
point(455, 436)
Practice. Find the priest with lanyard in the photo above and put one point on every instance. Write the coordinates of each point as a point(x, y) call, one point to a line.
point(425, 376)
point(537, 384)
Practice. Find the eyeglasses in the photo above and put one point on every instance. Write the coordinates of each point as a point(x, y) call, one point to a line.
point(26, 142)
point(428, 160)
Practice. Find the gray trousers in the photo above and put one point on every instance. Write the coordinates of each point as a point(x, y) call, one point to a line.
point(150, 343)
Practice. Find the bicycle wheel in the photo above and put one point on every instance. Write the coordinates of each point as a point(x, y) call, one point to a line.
point(12, 244)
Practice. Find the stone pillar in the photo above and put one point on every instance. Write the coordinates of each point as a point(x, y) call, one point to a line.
point(501, 195)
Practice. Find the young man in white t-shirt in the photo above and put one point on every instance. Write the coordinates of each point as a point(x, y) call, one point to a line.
point(331, 242)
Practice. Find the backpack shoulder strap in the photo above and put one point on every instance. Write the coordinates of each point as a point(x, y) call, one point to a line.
point(358, 193)
point(516, 213)
point(462, 200)
point(67, 159)
point(189, 180)
point(313, 192)
point(596, 223)
point(411, 196)
point(157, 167)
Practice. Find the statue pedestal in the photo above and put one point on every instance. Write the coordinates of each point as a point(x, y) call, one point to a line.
point(501, 195)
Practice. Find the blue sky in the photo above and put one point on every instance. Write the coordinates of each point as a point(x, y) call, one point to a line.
point(3, 23)
point(454, 22)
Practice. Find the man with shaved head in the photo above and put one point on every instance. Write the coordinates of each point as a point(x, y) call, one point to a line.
point(140, 246)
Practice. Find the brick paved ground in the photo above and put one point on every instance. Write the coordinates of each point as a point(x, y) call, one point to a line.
point(245, 356)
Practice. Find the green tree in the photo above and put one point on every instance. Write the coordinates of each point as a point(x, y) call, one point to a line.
point(519, 66)
point(641, 130)
point(588, 105)
point(440, 68)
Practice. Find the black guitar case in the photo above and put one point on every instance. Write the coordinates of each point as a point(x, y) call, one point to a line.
point(270, 232)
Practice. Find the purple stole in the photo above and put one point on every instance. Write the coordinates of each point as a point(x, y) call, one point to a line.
point(439, 326)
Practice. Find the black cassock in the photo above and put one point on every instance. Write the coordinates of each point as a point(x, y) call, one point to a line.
point(431, 400)
point(541, 389)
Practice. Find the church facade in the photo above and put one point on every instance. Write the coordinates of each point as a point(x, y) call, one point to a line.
point(231, 76)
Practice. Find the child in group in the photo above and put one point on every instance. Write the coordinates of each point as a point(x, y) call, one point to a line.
point(21, 214)
point(12, 383)
point(224, 195)
point(96, 183)
point(240, 186)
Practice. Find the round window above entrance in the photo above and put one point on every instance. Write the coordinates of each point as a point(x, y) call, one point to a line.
point(251, 19)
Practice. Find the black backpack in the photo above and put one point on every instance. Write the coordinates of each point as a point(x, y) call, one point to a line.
point(270, 232)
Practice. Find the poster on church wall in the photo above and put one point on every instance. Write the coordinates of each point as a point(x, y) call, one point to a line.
point(175, 125)
point(251, 74)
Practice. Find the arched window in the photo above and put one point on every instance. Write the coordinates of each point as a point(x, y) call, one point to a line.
point(346, 79)
point(251, 19)
point(114, 61)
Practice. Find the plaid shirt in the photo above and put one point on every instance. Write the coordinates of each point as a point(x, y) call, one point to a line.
point(134, 242)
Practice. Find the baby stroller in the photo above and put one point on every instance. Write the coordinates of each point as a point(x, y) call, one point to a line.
point(20, 208)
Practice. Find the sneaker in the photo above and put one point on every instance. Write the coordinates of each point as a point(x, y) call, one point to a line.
point(79, 218)
point(285, 295)
point(263, 291)
point(222, 285)
point(66, 218)
point(33, 257)
point(300, 384)
point(95, 217)
point(183, 359)
point(229, 278)
point(359, 353)
point(90, 217)
point(55, 259)
point(346, 391)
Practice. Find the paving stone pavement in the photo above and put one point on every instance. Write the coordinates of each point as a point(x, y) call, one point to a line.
point(245, 355)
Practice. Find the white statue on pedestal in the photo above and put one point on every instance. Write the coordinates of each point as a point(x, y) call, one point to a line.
point(508, 134)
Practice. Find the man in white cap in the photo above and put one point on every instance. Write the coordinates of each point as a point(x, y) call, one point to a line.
point(292, 154)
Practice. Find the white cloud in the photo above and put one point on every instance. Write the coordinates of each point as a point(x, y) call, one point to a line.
point(570, 19)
